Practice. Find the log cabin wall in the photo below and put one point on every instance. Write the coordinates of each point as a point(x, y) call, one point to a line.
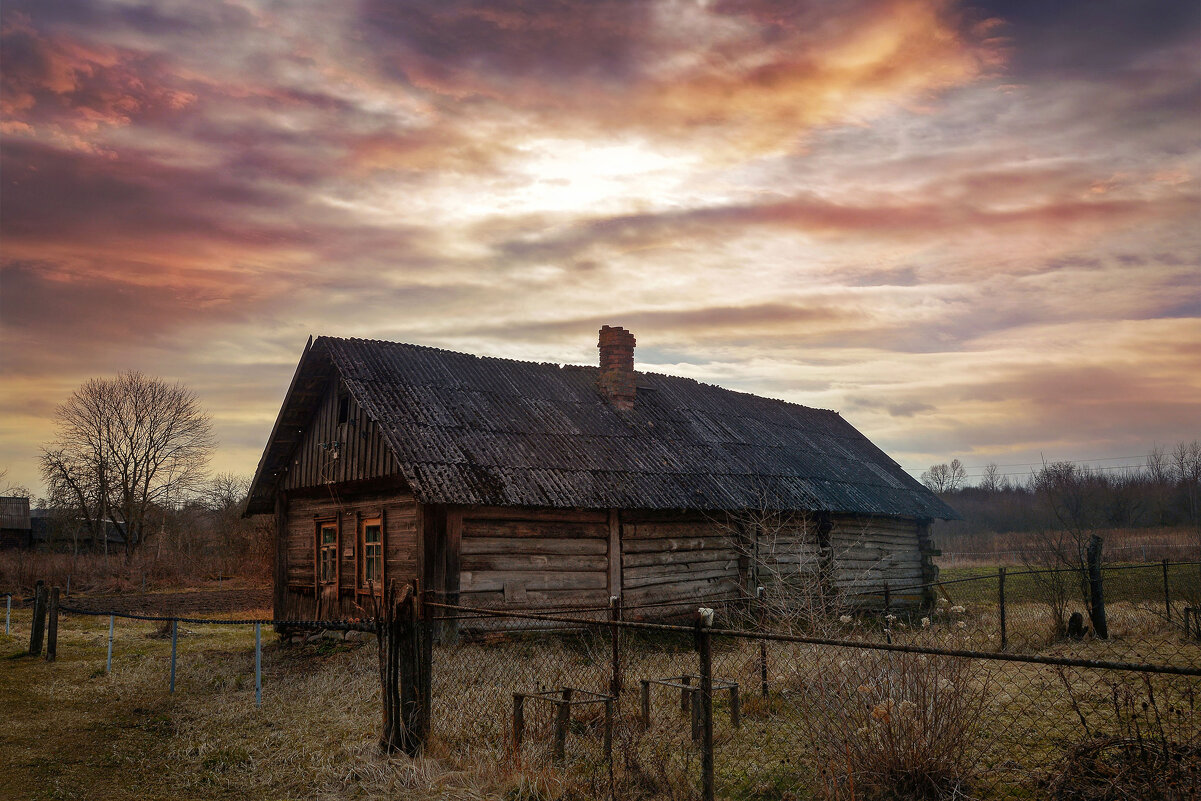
point(530, 558)
point(303, 597)
point(868, 551)
point(676, 556)
point(340, 443)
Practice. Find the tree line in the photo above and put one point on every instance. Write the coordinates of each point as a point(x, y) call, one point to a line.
point(1164, 491)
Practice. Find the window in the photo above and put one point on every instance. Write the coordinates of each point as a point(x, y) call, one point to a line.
point(327, 552)
point(372, 552)
point(343, 408)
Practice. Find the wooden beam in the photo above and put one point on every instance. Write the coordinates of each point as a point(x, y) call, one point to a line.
point(614, 553)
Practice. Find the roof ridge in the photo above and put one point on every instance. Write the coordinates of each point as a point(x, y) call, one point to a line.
point(572, 366)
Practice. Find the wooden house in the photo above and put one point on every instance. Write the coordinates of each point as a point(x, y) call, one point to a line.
point(503, 483)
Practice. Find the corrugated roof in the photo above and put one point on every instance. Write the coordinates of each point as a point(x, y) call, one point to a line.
point(485, 431)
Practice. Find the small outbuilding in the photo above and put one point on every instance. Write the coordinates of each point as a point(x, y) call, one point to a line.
point(502, 483)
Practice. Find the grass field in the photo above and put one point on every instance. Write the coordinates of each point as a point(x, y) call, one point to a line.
point(74, 732)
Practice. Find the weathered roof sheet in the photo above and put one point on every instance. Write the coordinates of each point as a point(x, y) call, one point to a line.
point(476, 430)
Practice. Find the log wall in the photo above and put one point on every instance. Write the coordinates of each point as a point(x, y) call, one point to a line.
point(868, 551)
point(676, 557)
point(302, 598)
point(533, 558)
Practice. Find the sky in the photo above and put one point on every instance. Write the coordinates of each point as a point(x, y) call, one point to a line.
point(971, 229)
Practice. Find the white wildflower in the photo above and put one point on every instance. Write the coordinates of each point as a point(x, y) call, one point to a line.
point(844, 619)
point(890, 618)
point(961, 625)
point(925, 622)
point(958, 610)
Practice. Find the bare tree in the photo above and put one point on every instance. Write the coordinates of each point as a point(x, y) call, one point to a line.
point(945, 477)
point(991, 480)
point(125, 447)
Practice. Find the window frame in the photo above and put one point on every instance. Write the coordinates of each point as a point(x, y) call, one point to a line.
point(319, 548)
point(362, 555)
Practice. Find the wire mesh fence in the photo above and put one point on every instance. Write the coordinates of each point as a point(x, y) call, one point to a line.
point(926, 716)
point(953, 700)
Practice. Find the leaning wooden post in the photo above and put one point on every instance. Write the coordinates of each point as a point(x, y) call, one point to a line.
point(52, 627)
point(258, 664)
point(1096, 593)
point(37, 631)
point(760, 596)
point(8, 614)
point(108, 663)
point(615, 638)
point(705, 653)
point(174, 641)
point(685, 694)
point(646, 703)
point(562, 720)
point(402, 671)
point(518, 721)
point(1001, 606)
point(1167, 597)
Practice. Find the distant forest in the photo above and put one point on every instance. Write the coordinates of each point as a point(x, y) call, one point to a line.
point(1163, 492)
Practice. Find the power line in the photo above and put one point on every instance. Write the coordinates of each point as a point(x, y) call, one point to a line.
point(1049, 461)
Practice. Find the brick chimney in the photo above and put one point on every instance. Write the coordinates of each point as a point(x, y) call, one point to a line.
point(616, 381)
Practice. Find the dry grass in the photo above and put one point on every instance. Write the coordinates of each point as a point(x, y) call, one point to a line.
point(75, 732)
point(96, 573)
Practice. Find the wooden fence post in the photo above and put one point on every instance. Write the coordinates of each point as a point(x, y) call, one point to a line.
point(403, 671)
point(518, 721)
point(562, 720)
point(8, 614)
point(108, 665)
point(646, 703)
point(52, 626)
point(37, 631)
point(1167, 597)
point(760, 596)
point(615, 637)
point(1096, 593)
point(609, 730)
point(704, 644)
point(174, 642)
point(1001, 604)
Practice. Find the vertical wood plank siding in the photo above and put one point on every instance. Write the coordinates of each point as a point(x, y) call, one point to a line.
point(361, 452)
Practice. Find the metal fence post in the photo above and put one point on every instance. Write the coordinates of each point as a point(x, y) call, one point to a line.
point(1096, 600)
point(615, 636)
point(1001, 602)
point(258, 664)
point(174, 639)
point(1167, 597)
point(704, 645)
point(108, 665)
point(8, 614)
point(760, 595)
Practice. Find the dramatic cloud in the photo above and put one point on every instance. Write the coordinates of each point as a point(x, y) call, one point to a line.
point(971, 227)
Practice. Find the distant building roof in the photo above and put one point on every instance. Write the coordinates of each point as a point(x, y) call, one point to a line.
point(486, 431)
point(14, 512)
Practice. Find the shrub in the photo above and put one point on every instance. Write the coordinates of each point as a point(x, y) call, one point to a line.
point(893, 725)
